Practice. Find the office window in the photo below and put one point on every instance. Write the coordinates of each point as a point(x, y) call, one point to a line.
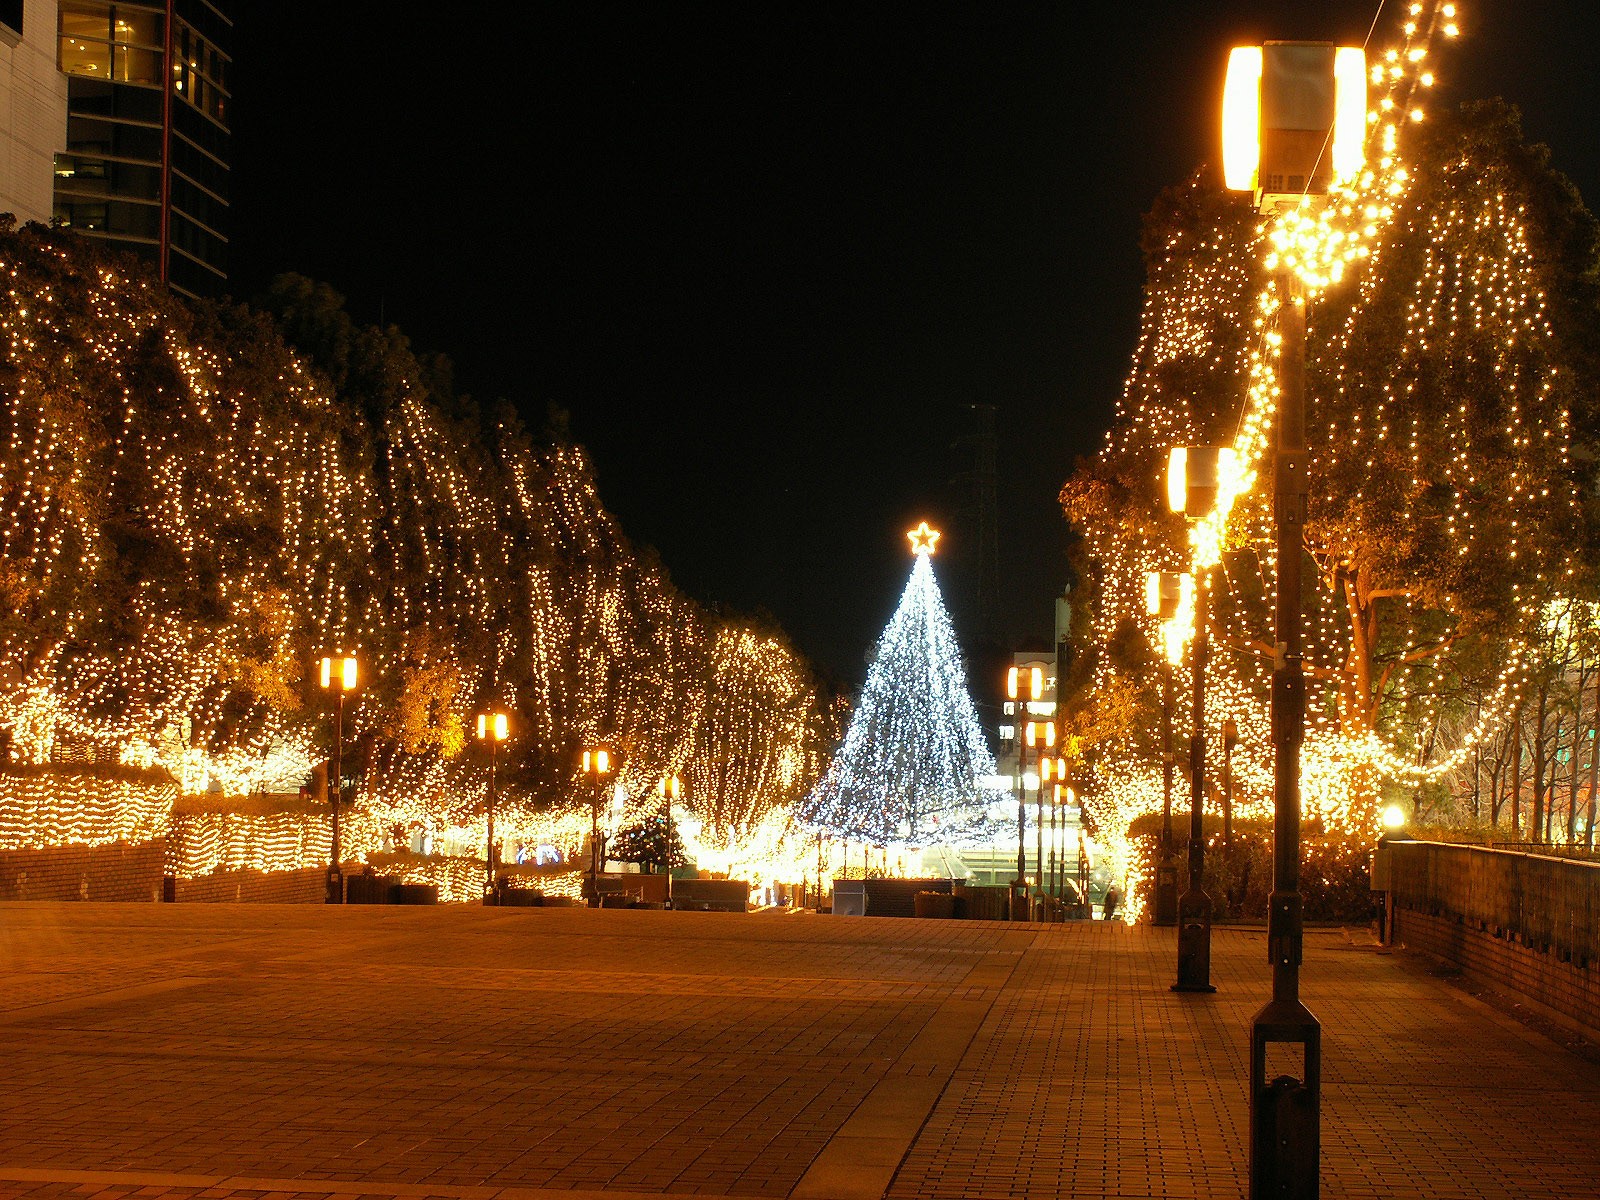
point(119, 42)
point(201, 74)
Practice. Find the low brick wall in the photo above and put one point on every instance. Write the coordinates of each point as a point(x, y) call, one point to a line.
point(305, 886)
point(1518, 923)
point(112, 871)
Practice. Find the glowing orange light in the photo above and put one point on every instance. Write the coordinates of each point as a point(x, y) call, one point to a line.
point(923, 539)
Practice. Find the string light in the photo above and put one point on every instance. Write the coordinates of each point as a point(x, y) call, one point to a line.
point(1442, 510)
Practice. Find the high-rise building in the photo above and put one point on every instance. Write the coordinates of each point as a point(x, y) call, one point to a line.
point(145, 160)
point(33, 107)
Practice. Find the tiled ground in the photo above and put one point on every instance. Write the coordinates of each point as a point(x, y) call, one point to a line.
point(226, 1051)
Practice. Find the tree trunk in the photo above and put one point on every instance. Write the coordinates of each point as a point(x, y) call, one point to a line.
point(1536, 826)
point(1577, 759)
point(1516, 775)
point(1594, 763)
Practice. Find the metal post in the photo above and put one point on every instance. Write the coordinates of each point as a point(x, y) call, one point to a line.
point(1285, 1112)
point(488, 850)
point(594, 844)
point(1019, 889)
point(1194, 907)
point(666, 804)
point(336, 869)
point(1166, 871)
point(1038, 823)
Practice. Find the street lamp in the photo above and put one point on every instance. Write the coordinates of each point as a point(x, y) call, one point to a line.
point(1051, 772)
point(493, 727)
point(599, 762)
point(338, 676)
point(1022, 687)
point(1040, 734)
point(671, 789)
point(1283, 104)
point(1164, 595)
point(1194, 476)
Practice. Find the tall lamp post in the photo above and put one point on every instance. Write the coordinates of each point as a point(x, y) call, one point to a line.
point(1022, 688)
point(1163, 596)
point(1194, 474)
point(598, 762)
point(1040, 736)
point(671, 789)
point(493, 727)
point(338, 676)
point(1285, 104)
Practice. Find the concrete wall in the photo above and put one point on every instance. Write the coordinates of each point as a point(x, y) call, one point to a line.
point(33, 114)
point(1518, 923)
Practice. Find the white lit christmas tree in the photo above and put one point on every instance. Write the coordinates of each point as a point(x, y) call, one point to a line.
point(913, 759)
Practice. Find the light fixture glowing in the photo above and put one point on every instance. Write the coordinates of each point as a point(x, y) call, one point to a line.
point(923, 540)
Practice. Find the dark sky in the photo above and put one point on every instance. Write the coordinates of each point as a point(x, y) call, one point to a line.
point(769, 255)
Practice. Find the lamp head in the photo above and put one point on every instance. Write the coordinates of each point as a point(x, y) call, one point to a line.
point(1294, 119)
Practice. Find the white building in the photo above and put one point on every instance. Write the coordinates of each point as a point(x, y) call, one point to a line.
point(33, 108)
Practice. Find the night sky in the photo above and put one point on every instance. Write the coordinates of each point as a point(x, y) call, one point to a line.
point(768, 256)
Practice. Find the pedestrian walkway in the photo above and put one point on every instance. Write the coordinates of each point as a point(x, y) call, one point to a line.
point(301, 1051)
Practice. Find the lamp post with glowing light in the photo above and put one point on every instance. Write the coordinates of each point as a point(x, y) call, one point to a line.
point(493, 727)
point(1023, 688)
point(338, 676)
point(1038, 736)
point(1164, 594)
point(1285, 106)
point(1194, 475)
point(599, 762)
point(671, 789)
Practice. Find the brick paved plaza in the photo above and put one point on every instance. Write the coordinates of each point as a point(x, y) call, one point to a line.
point(238, 1050)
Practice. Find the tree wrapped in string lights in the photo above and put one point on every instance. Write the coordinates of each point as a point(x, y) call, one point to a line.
point(198, 500)
point(1451, 356)
point(914, 755)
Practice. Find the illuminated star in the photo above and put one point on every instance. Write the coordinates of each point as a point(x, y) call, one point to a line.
point(923, 539)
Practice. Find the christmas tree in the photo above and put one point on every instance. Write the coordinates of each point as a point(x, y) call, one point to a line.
point(913, 758)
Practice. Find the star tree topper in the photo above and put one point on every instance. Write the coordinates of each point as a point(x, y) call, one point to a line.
point(923, 539)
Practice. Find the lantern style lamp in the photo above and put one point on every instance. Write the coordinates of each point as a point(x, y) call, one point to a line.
point(339, 675)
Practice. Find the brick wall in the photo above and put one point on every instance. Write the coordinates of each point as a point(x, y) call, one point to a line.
point(1521, 924)
point(305, 886)
point(1542, 979)
point(113, 871)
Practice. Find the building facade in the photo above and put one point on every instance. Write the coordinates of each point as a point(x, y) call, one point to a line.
point(33, 108)
point(117, 127)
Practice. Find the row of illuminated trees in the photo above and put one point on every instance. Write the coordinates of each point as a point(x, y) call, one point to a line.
point(1451, 660)
point(200, 500)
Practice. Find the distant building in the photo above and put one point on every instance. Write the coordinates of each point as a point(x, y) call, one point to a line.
point(118, 127)
point(33, 108)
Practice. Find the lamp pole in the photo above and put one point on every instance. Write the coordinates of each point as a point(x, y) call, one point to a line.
point(1020, 688)
point(1317, 91)
point(597, 761)
point(1194, 906)
point(671, 788)
point(339, 675)
point(492, 728)
point(1163, 590)
point(1194, 477)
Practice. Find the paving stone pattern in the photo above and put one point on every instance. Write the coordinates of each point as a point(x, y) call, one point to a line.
point(312, 1052)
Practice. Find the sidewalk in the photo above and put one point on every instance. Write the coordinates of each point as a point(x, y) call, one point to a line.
point(239, 1050)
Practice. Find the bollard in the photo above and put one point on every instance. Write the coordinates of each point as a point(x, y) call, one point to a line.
point(1285, 1150)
